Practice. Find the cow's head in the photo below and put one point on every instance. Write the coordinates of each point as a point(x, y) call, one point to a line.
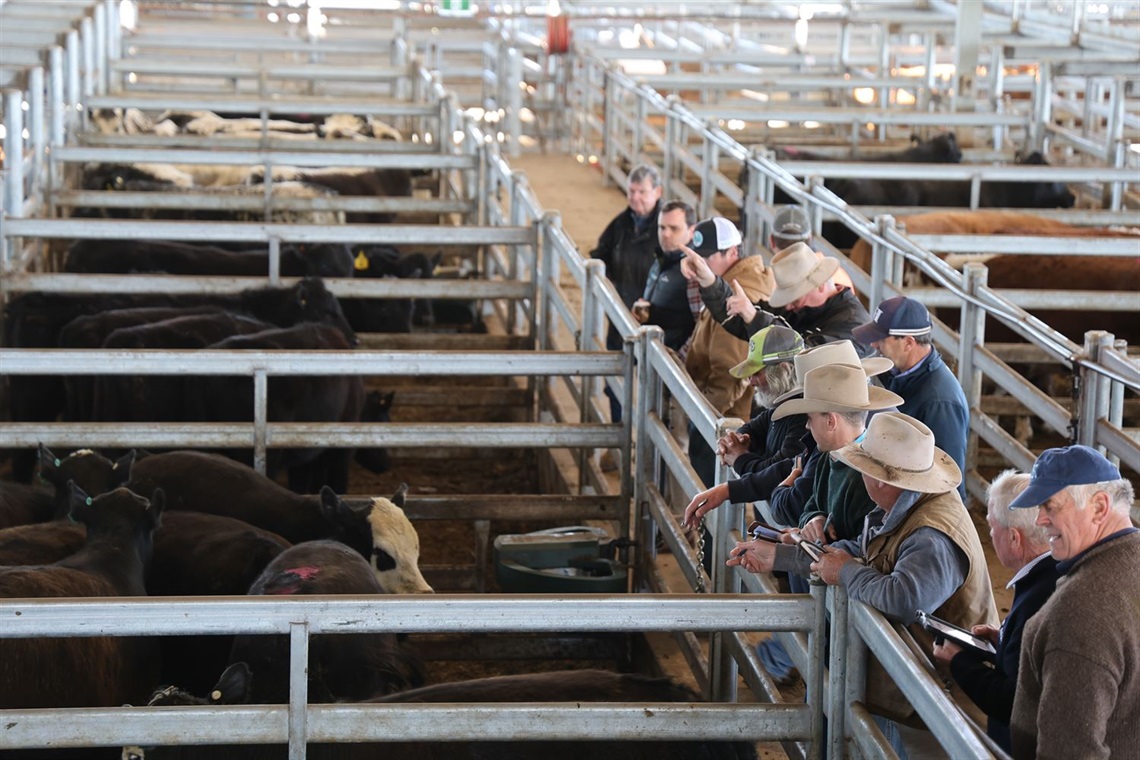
point(314, 303)
point(396, 546)
point(94, 473)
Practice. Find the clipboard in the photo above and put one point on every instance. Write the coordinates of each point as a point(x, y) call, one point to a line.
point(941, 629)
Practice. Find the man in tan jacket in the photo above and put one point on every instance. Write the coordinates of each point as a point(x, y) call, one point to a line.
point(713, 351)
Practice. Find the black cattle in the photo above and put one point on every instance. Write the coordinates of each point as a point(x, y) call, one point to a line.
point(238, 684)
point(343, 666)
point(377, 408)
point(94, 671)
point(884, 192)
point(34, 320)
point(200, 482)
point(162, 398)
point(330, 398)
point(940, 149)
point(369, 183)
point(92, 472)
point(170, 257)
point(195, 554)
point(390, 315)
point(91, 330)
point(199, 554)
point(40, 543)
point(23, 503)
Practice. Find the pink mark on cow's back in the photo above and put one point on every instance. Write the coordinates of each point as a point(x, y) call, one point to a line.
point(289, 581)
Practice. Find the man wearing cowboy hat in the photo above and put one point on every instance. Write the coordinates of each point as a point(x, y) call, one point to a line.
point(806, 298)
point(901, 331)
point(918, 549)
point(836, 401)
point(1078, 684)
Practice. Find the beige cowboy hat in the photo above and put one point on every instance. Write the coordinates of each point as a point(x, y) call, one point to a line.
point(838, 388)
point(839, 352)
point(900, 451)
point(798, 271)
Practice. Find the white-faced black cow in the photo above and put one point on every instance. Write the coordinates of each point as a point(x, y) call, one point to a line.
point(96, 671)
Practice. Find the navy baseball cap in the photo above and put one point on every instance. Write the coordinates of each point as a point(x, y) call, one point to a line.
point(1057, 469)
point(715, 234)
point(899, 316)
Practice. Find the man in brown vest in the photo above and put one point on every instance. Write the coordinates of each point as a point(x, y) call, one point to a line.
point(918, 550)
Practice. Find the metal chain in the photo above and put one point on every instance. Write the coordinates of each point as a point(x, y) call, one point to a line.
point(700, 556)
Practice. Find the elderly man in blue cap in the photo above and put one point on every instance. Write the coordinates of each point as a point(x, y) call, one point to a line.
point(1078, 686)
point(901, 331)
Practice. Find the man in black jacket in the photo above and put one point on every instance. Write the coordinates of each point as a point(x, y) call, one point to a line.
point(665, 300)
point(627, 249)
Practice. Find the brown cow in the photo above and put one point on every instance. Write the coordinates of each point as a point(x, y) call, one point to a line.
point(1036, 271)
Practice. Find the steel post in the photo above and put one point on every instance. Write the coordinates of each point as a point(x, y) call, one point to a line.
point(72, 91)
point(817, 643)
point(298, 690)
point(1095, 392)
point(837, 674)
point(37, 135)
point(971, 335)
point(880, 261)
point(260, 418)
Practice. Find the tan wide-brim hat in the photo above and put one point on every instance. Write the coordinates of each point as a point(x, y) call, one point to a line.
point(799, 271)
point(839, 352)
point(838, 388)
point(900, 451)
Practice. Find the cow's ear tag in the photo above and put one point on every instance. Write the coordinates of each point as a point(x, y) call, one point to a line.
point(89, 501)
point(58, 463)
point(360, 263)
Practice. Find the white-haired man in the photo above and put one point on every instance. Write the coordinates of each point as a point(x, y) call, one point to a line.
point(1078, 684)
point(1022, 546)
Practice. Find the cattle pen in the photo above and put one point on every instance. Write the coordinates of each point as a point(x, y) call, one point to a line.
point(548, 309)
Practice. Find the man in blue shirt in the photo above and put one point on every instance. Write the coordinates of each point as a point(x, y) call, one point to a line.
point(901, 331)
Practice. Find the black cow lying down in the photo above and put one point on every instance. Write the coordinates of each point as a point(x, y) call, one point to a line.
point(172, 257)
point(578, 686)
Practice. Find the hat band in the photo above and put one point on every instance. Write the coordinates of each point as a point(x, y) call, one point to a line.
point(908, 331)
point(886, 466)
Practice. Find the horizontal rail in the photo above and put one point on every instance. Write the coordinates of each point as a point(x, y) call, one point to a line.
point(216, 201)
point(218, 155)
point(265, 724)
point(275, 105)
point(286, 435)
point(260, 232)
point(202, 285)
point(537, 613)
point(27, 361)
point(960, 172)
point(1030, 244)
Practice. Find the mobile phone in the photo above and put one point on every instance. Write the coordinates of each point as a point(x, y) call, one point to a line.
point(763, 532)
point(941, 629)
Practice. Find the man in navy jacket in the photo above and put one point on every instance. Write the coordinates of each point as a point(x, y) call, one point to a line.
point(901, 331)
point(1023, 547)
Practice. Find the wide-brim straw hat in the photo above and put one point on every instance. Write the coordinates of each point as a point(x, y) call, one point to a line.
point(838, 388)
point(838, 352)
point(799, 271)
point(900, 451)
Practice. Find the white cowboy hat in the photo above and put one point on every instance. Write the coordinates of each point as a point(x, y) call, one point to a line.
point(798, 271)
point(838, 388)
point(839, 352)
point(900, 451)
